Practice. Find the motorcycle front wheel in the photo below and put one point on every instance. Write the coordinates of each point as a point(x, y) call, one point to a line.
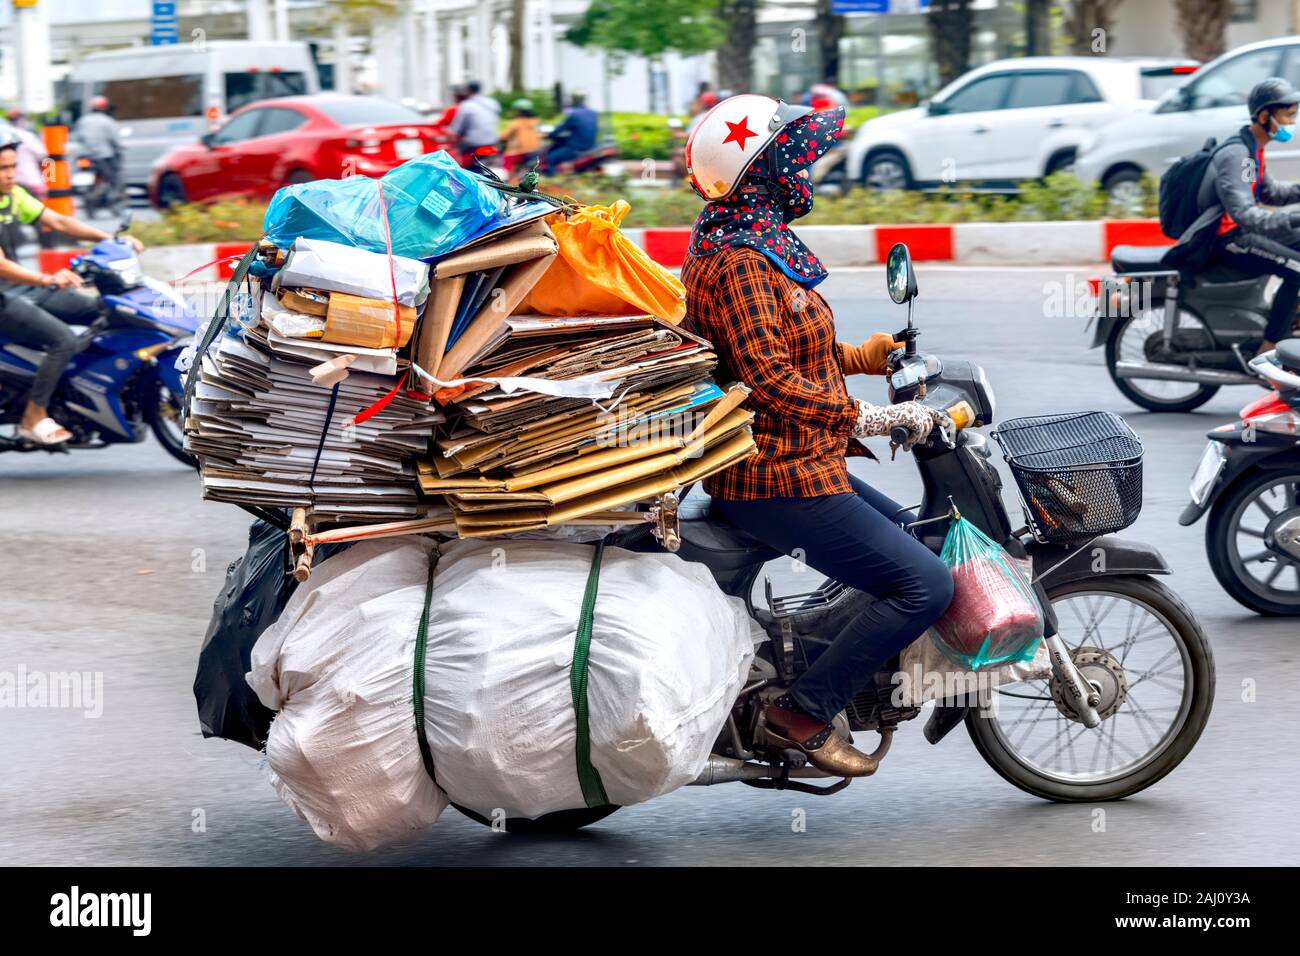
point(165, 418)
point(1254, 575)
point(1136, 642)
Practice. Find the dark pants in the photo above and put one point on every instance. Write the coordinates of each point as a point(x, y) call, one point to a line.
point(854, 539)
point(36, 318)
point(1258, 256)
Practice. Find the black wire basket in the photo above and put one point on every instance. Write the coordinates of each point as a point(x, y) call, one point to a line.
point(1080, 474)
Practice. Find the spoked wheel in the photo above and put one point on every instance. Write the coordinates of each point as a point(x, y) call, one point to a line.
point(562, 821)
point(165, 418)
point(1140, 647)
point(1140, 338)
point(1242, 538)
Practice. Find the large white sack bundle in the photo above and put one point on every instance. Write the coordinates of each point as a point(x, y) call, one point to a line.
point(668, 655)
point(338, 665)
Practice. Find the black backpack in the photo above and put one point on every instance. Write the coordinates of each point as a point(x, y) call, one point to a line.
point(1181, 184)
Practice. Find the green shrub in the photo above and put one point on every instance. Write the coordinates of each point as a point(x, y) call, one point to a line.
point(234, 220)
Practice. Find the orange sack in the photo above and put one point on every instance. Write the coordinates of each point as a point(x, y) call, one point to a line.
point(599, 271)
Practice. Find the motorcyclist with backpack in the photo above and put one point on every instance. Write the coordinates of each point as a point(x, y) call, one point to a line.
point(1238, 224)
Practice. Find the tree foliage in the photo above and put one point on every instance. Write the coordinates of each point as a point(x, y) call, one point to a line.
point(650, 29)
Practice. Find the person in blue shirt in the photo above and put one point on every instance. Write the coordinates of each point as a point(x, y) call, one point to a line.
point(575, 136)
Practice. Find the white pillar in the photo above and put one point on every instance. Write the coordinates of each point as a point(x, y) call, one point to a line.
point(385, 41)
point(282, 19)
point(31, 43)
point(259, 21)
point(456, 52)
point(483, 47)
point(541, 39)
point(433, 90)
point(342, 58)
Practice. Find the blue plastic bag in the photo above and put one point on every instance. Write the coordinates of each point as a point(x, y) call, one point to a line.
point(434, 206)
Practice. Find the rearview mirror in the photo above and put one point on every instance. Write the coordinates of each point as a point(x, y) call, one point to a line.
point(209, 140)
point(935, 108)
point(899, 276)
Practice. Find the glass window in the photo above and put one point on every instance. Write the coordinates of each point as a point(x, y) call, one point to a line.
point(278, 120)
point(249, 87)
point(364, 110)
point(986, 93)
point(1156, 83)
point(157, 97)
point(1291, 65)
point(1041, 89)
point(1229, 83)
point(241, 127)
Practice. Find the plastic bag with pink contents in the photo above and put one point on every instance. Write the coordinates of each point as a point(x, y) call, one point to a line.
point(994, 616)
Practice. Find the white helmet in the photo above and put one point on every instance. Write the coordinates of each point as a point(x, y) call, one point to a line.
point(730, 137)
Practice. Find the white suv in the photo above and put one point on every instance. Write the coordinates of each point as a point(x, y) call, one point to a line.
point(1211, 103)
point(1007, 121)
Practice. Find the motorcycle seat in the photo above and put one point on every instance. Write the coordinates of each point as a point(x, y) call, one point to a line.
point(725, 545)
point(1288, 355)
point(1138, 258)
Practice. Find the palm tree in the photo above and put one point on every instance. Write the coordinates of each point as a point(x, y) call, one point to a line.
point(1203, 26)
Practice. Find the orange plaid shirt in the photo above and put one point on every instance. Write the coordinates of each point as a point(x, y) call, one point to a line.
point(779, 339)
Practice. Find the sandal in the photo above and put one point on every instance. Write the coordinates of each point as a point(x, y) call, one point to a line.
point(45, 432)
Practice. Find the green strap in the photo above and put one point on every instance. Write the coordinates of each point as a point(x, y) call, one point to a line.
point(417, 681)
point(593, 790)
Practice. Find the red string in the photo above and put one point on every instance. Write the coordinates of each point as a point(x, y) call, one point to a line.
point(205, 265)
point(380, 405)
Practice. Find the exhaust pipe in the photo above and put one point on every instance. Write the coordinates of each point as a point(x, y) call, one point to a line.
point(1181, 373)
point(721, 769)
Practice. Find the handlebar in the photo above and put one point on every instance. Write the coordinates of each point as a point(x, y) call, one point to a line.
point(1263, 367)
point(899, 434)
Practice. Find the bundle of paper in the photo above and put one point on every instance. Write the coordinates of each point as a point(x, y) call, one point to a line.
point(266, 433)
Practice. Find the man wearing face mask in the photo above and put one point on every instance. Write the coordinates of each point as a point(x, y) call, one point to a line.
point(750, 290)
point(1254, 235)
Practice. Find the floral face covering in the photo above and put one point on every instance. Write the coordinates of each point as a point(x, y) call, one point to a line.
point(771, 194)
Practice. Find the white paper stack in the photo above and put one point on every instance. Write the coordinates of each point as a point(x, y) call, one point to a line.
point(257, 417)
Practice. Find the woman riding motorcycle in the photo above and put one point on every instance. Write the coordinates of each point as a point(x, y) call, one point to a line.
point(749, 289)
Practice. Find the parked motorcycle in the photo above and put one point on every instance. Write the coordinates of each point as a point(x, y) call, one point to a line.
point(1248, 480)
point(124, 381)
point(1172, 339)
point(1131, 676)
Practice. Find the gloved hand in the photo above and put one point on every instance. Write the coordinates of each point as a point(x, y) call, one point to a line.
point(920, 420)
point(870, 357)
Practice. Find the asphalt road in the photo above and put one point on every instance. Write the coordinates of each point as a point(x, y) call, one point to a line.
point(110, 562)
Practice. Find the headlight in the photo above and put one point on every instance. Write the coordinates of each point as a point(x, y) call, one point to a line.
point(989, 398)
point(1207, 472)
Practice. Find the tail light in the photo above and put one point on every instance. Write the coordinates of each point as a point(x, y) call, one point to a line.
point(368, 147)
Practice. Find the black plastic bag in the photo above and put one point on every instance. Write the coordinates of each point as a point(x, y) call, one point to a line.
point(257, 587)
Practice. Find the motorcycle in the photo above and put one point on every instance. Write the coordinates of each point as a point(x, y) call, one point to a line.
point(1130, 682)
point(1173, 339)
point(123, 383)
point(1248, 480)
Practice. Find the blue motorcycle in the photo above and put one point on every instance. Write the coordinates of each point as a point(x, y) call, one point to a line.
point(124, 381)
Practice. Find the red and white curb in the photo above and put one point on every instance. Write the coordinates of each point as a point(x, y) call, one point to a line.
point(967, 243)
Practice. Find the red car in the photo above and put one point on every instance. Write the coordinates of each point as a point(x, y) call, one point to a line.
point(294, 139)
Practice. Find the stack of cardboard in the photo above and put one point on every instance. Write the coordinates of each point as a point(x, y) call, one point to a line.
point(321, 399)
point(267, 434)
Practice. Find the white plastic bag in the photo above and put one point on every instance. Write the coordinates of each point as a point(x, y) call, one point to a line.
point(321, 264)
point(668, 656)
point(338, 665)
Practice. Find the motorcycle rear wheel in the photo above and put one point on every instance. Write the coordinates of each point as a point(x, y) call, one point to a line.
point(164, 419)
point(553, 824)
point(1127, 342)
point(1191, 652)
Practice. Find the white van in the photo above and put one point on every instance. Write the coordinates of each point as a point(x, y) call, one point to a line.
point(164, 96)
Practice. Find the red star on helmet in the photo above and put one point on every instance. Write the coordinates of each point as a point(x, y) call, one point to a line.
point(738, 132)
